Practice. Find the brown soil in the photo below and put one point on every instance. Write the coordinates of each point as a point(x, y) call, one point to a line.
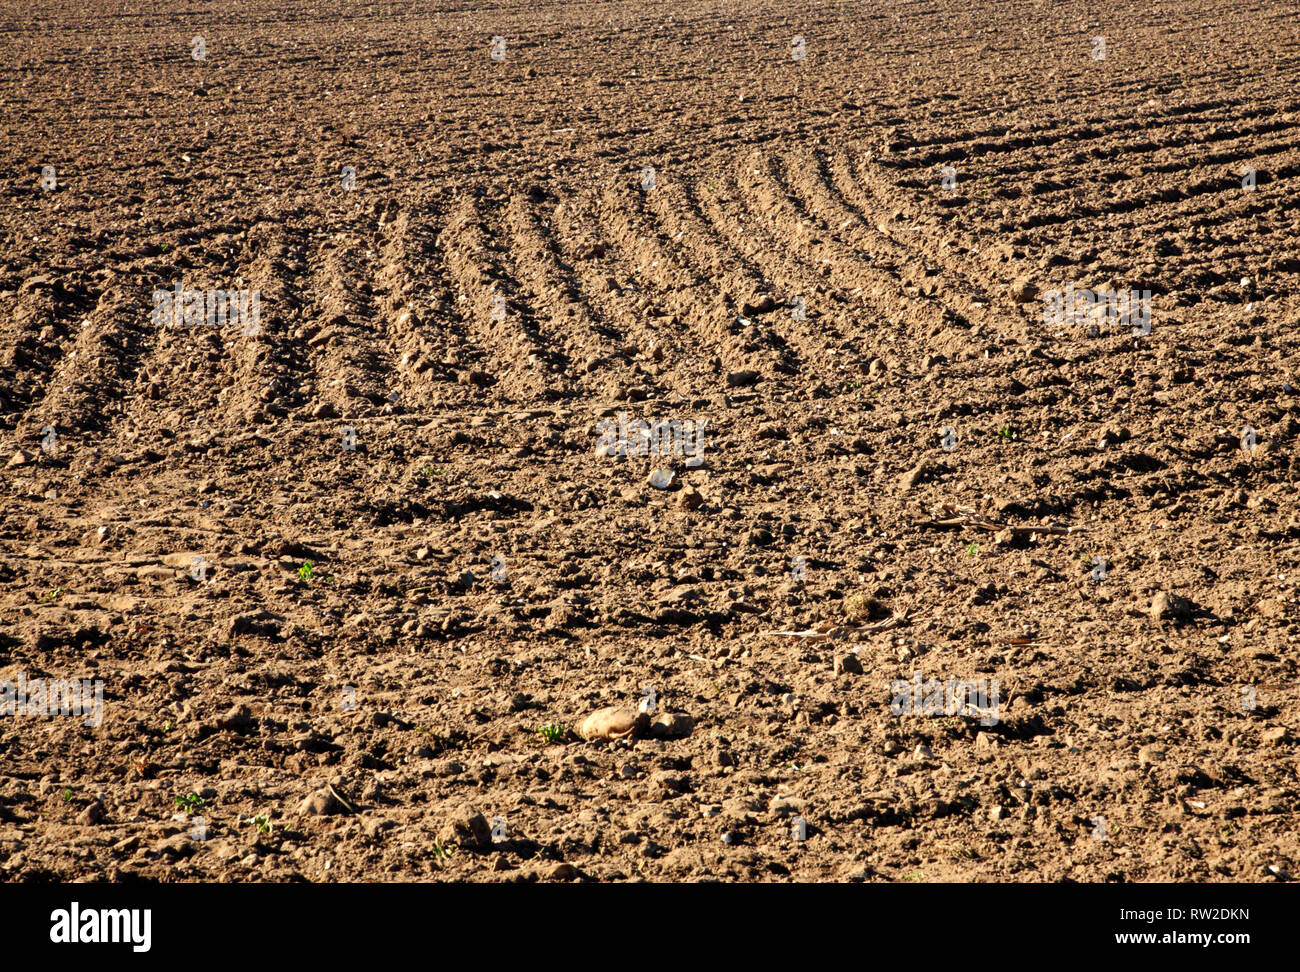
point(411, 674)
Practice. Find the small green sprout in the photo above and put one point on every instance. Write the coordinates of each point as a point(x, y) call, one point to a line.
point(67, 796)
point(191, 802)
point(972, 549)
point(263, 822)
point(53, 594)
point(443, 852)
point(307, 571)
point(551, 732)
point(1008, 433)
point(167, 726)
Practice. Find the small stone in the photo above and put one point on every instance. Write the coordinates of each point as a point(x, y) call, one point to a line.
point(237, 719)
point(612, 722)
point(909, 479)
point(986, 740)
point(322, 802)
point(742, 379)
point(998, 813)
point(1113, 434)
point(1023, 291)
point(466, 827)
point(446, 768)
point(671, 725)
point(848, 664)
point(1165, 605)
point(178, 845)
point(690, 498)
point(1274, 736)
point(92, 815)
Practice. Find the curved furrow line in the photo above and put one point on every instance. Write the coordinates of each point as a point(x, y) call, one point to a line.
point(1235, 203)
point(675, 214)
point(205, 376)
point(1084, 133)
point(812, 186)
point(837, 284)
point(1124, 155)
point(873, 198)
point(673, 290)
point(342, 350)
point(412, 298)
point(41, 312)
point(579, 244)
point(1153, 175)
point(997, 134)
point(845, 268)
point(499, 323)
point(1165, 201)
point(552, 283)
point(89, 384)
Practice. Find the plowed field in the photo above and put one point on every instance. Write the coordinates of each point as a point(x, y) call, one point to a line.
point(334, 568)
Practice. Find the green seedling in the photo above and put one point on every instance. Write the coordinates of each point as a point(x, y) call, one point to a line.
point(307, 571)
point(551, 732)
point(67, 796)
point(53, 594)
point(442, 852)
point(167, 726)
point(263, 823)
point(972, 549)
point(1008, 433)
point(191, 802)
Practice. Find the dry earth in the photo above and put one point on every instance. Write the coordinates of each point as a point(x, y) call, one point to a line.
point(590, 226)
